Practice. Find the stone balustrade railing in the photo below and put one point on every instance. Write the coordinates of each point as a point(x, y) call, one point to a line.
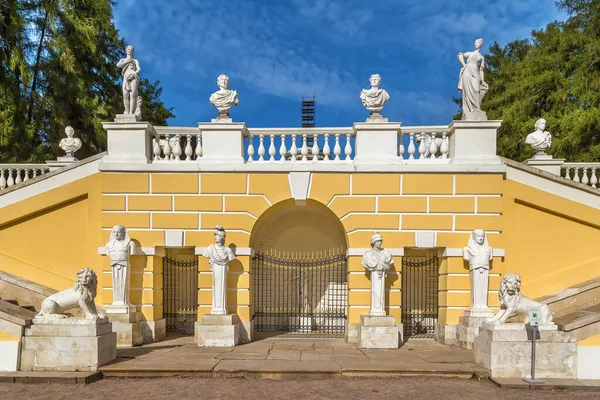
point(581, 173)
point(13, 174)
point(424, 143)
point(176, 144)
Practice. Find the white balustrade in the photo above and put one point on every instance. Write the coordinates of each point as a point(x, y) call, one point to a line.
point(15, 174)
point(170, 145)
point(585, 173)
point(432, 143)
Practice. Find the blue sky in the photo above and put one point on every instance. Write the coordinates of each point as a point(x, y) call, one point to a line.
point(277, 51)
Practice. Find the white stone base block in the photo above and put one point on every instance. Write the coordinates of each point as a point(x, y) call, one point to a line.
point(10, 355)
point(378, 332)
point(445, 334)
point(352, 333)
point(218, 330)
point(128, 328)
point(467, 330)
point(546, 163)
point(71, 344)
point(154, 331)
point(588, 362)
point(505, 350)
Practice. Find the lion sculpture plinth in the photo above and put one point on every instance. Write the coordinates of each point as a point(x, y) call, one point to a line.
point(512, 302)
point(81, 295)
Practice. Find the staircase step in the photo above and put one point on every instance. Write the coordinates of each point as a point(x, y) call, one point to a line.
point(15, 314)
point(578, 319)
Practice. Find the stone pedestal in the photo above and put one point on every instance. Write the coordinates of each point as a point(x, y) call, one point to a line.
point(376, 142)
point(378, 332)
point(154, 331)
point(474, 142)
point(445, 334)
point(222, 142)
point(546, 163)
point(505, 350)
point(128, 328)
point(218, 330)
point(128, 141)
point(71, 344)
point(60, 162)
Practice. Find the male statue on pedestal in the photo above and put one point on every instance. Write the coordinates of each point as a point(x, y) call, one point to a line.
point(378, 261)
point(130, 71)
point(118, 249)
point(479, 254)
point(218, 257)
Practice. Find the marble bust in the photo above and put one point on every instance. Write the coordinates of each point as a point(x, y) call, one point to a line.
point(118, 249)
point(130, 71)
point(375, 98)
point(70, 144)
point(479, 254)
point(378, 261)
point(471, 82)
point(540, 140)
point(219, 256)
point(224, 98)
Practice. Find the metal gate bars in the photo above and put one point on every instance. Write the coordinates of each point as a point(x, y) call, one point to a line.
point(180, 294)
point(300, 293)
point(420, 276)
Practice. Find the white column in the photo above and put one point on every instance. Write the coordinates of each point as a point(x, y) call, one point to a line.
point(377, 294)
point(474, 142)
point(219, 294)
point(222, 142)
point(376, 142)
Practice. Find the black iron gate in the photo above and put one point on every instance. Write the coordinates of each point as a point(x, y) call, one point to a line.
point(300, 293)
point(180, 294)
point(420, 277)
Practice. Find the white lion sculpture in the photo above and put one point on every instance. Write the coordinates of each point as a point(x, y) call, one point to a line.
point(81, 295)
point(512, 302)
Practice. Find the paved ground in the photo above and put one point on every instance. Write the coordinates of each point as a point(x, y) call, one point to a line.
point(406, 387)
point(273, 357)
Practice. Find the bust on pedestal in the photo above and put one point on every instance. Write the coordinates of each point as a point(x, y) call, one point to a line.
point(223, 99)
point(540, 141)
point(378, 330)
point(374, 99)
point(218, 328)
point(69, 145)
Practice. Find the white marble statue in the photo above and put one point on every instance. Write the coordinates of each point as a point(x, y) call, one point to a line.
point(471, 82)
point(70, 144)
point(512, 302)
point(81, 295)
point(130, 71)
point(224, 98)
point(540, 140)
point(218, 257)
point(479, 254)
point(378, 261)
point(118, 249)
point(138, 109)
point(375, 98)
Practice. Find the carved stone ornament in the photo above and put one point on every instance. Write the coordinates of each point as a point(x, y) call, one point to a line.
point(119, 248)
point(130, 71)
point(219, 256)
point(479, 254)
point(374, 98)
point(378, 261)
point(471, 82)
point(81, 295)
point(539, 140)
point(512, 302)
point(224, 98)
point(70, 144)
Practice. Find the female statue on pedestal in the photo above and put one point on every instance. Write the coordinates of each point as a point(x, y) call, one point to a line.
point(478, 253)
point(471, 81)
point(118, 249)
point(378, 261)
point(218, 257)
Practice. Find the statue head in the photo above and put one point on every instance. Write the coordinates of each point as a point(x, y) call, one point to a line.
point(376, 240)
point(375, 80)
point(129, 50)
point(478, 43)
point(70, 131)
point(540, 124)
point(478, 236)
point(223, 81)
point(511, 285)
point(220, 234)
point(118, 232)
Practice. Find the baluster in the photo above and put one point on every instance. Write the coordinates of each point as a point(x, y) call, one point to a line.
point(11, 181)
point(576, 175)
point(188, 148)
point(44, 171)
point(315, 148)
point(2, 179)
point(411, 146)
point(18, 180)
point(433, 147)
point(167, 148)
point(35, 172)
point(584, 177)
point(422, 149)
point(156, 147)
point(198, 150)
point(282, 149)
point(326, 148)
point(348, 148)
point(250, 148)
point(568, 173)
point(272, 150)
point(445, 146)
point(177, 147)
point(26, 173)
point(261, 148)
point(337, 149)
point(594, 178)
point(293, 149)
point(304, 150)
point(401, 146)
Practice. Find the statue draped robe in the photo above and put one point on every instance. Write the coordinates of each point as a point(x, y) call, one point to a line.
point(224, 99)
point(374, 99)
point(118, 252)
point(218, 258)
point(479, 270)
point(469, 82)
point(378, 262)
